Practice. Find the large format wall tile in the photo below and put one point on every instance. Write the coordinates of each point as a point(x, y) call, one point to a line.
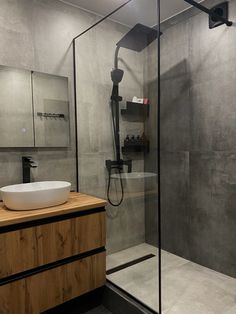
point(213, 115)
point(198, 142)
point(36, 35)
point(175, 113)
point(175, 202)
point(95, 55)
point(212, 214)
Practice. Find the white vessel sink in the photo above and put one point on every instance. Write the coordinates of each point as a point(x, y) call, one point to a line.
point(35, 195)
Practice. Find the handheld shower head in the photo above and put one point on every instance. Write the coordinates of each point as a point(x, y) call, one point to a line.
point(117, 76)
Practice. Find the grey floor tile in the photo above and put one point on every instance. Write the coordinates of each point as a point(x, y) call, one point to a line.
point(125, 256)
point(186, 287)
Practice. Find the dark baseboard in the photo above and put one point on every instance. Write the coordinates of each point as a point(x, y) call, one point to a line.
point(119, 302)
point(81, 304)
point(112, 298)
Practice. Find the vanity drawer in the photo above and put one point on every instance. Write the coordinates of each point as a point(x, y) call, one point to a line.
point(29, 248)
point(42, 291)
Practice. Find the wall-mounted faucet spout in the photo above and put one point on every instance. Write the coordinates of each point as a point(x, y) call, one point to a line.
point(27, 164)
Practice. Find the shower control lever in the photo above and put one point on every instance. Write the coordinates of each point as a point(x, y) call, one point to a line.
point(118, 164)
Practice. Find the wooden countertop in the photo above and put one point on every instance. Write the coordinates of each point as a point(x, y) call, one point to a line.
point(77, 202)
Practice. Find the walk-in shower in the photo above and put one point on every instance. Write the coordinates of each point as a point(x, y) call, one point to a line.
point(137, 39)
point(191, 103)
point(122, 175)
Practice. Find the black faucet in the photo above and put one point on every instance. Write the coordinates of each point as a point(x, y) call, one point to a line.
point(27, 163)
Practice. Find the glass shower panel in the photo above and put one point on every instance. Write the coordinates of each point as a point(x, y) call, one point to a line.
point(116, 65)
point(198, 162)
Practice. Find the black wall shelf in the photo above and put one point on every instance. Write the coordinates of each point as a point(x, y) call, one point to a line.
point(136, 148)
point(135, 111)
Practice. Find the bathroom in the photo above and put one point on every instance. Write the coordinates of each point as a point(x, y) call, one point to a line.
point(124, 111)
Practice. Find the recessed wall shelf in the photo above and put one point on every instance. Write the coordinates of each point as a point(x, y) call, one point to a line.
point(135, 111)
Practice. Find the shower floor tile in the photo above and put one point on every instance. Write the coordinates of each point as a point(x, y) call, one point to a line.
point(187, 287)
point(133, 253)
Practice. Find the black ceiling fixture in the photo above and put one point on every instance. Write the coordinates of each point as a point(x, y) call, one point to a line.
point(218, 15)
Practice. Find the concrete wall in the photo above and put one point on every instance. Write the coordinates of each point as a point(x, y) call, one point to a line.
point(95, 55)
point(16, 110)
point(36, 35)
point(198, 118)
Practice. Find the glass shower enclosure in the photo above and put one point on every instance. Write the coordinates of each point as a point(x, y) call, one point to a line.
point(198, 158)
point(156, 128)
point(117, 150)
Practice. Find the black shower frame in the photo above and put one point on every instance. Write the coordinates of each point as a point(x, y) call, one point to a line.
point(158, 165)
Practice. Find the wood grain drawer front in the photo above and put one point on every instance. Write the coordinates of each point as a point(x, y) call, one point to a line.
point(50, 288)
point(32, 247)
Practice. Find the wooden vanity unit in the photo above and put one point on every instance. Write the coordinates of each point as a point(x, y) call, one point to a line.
point(52, 255)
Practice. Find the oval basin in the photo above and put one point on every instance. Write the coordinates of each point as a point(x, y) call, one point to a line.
point(35, 195)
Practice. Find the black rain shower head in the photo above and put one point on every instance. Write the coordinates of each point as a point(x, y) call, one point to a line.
point(138, 38)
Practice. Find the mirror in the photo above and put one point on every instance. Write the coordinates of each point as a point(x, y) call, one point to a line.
point(34, 109)
point(51, 110)
point(16, 111)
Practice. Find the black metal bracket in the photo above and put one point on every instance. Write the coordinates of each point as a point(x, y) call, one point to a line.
point(218, 15)
point(118, 164)
point(221, 10)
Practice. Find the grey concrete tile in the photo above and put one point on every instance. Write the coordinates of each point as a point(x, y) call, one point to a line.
point(130, 254)
point(211, 51)
point(198, 118)
point(213, 117)
point(140, 281)
point(176, 37)
point(151, 216)
point(192, 289)
point(27, 43)
point(186, 287)
point(171, 261)
point(175, 110)
point(125, 225)
point(175, 114)
point(212, 215)
point(175, 202)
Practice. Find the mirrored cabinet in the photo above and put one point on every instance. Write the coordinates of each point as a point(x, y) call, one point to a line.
point(34, 109)
point(16, 110)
